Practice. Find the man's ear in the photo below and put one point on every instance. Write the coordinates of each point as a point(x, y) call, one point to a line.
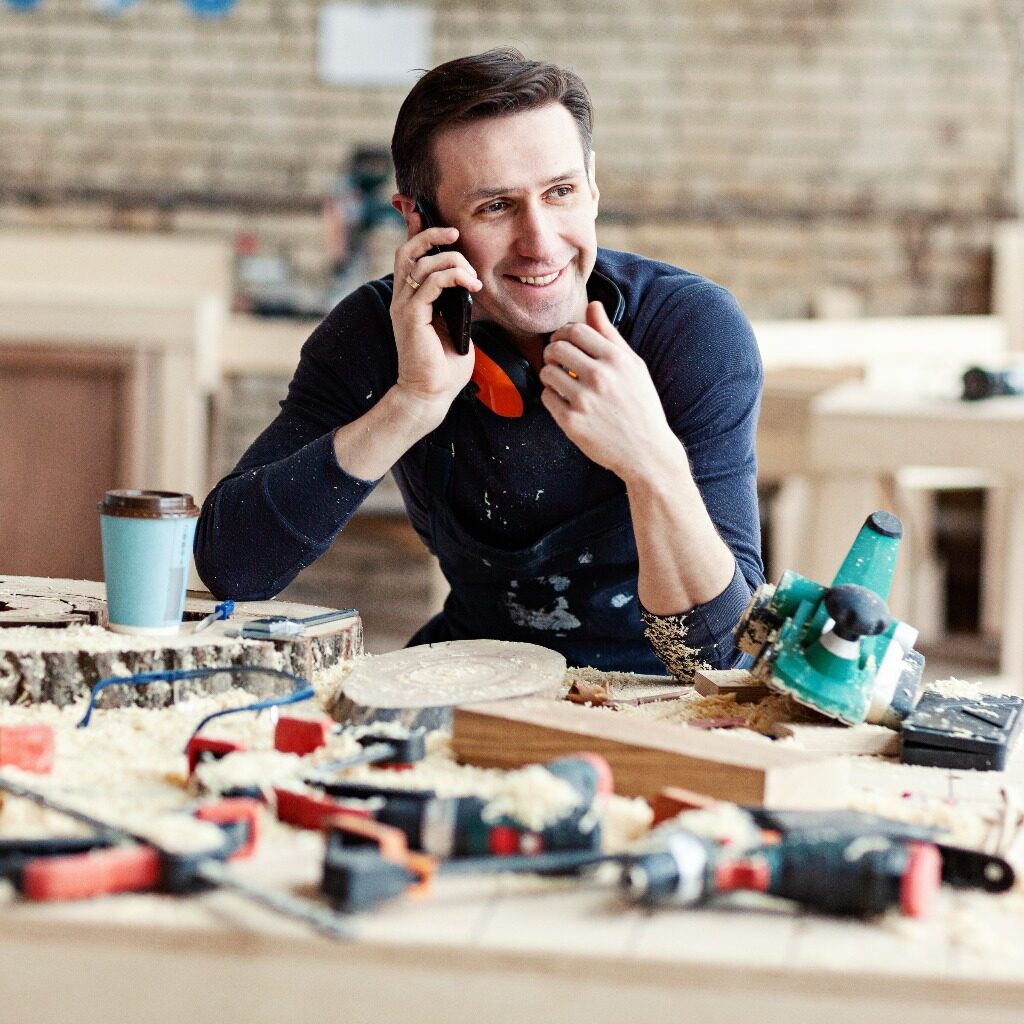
point(406, 206)
point(592, 176)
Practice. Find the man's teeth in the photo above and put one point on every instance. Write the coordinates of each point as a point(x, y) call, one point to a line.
point(540, 280)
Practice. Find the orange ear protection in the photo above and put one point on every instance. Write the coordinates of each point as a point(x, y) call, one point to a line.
point(503, 378)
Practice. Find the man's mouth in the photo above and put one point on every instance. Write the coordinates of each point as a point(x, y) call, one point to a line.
point(538, 281)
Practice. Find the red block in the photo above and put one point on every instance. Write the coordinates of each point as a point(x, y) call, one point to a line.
point(27, 746)
point(301, 735)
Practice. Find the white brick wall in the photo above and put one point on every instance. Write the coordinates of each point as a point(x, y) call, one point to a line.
point(778, 145)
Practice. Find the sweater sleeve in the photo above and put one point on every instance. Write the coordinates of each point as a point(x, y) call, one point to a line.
point(706, 365)
point(287, 499)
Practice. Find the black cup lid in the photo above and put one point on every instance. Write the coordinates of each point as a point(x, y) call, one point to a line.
point(149, 504)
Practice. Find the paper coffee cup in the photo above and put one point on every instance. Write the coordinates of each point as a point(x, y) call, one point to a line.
point(147, 551)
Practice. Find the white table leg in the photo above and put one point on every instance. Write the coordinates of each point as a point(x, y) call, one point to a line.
point(1011, 660)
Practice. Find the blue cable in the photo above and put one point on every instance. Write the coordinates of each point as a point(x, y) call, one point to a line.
point(304, 689)
point(296, 697)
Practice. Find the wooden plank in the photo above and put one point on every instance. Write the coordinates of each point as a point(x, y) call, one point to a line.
point(737, 681)
point(841, 739)
point(645, 756)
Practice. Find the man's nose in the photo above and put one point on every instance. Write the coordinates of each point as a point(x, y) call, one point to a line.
point(537, 233)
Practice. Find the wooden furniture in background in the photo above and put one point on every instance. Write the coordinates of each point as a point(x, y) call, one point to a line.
point(66, 419)
point(148, 308)
point(861, 436)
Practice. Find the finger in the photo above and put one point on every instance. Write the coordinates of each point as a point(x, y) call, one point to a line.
point(556, 405)
point(564, 382)
point(420, 244)
point(448, 260)
point(432, 285)
point(569, 358)
point(597, 317)
point(583, 337)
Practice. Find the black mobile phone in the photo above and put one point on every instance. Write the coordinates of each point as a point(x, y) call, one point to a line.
point(455, 306)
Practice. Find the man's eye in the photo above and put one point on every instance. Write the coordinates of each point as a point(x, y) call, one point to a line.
point(495, 207)
point(561, 191)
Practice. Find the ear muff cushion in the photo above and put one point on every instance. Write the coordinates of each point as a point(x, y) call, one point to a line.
point(503, 378)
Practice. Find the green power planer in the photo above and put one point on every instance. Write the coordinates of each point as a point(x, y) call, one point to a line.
point(837, 649)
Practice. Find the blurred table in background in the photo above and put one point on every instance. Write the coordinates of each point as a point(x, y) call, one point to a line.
point(861, 437)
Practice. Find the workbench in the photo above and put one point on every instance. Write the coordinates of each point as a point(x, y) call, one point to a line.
point(520, 948)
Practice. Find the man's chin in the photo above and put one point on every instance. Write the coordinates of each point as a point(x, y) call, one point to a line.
point(541, 322)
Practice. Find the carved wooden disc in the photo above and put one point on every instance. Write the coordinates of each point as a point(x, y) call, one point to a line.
point(454, 672)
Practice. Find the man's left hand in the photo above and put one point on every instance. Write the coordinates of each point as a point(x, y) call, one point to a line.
point(600, 392)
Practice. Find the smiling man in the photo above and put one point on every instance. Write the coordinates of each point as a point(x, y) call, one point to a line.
point(616, 518)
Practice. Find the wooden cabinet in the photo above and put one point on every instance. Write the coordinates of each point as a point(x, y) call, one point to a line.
point(65, 423)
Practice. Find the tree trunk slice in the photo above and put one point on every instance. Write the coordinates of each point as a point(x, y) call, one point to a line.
point(55, 647)
point(443, 675)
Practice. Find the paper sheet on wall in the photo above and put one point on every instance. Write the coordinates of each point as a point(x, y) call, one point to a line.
point(364, 45)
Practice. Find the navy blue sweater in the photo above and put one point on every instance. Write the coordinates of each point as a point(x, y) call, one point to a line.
point(287, 498)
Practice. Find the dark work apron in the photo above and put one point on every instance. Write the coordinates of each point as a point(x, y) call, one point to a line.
point(573, 590)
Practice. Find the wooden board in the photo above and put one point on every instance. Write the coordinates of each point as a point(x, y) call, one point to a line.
point(737, 681)
point(54, 647)
point(841, 739)
point(646, 756)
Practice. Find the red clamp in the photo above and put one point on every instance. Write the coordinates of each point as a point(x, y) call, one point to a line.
point(132, 867)
point(235, 810)
point(308, 810)
point(96, 873)
point(202, 748)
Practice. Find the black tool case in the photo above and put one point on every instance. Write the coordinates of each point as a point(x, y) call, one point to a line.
point(958, 732)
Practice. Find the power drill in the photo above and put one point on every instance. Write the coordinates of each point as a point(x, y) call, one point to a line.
point(367, 862)
point(847, 875)
point(460, 827)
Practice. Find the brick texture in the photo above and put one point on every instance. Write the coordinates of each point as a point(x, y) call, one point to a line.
point(780, 146)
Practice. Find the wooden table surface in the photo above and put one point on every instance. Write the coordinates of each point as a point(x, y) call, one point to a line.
point(516, 948)
point(509, 949)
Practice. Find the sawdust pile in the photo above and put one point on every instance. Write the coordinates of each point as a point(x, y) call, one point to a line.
point(758, 717)
point(128, 767)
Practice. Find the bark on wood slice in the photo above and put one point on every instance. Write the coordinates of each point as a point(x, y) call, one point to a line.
point(420, 685)
point(60, 661)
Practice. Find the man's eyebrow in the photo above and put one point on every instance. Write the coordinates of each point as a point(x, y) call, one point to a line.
point(490, 191)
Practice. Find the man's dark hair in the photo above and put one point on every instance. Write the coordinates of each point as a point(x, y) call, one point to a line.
point(492, 84)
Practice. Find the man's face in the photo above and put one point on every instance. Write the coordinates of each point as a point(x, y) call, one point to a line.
point(517, 189)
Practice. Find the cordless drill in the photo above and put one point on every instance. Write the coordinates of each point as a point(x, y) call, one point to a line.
point(848, 875)
point(412, 839)
point(460, 826)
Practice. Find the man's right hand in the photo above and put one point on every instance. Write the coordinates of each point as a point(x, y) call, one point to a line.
point(430, 372)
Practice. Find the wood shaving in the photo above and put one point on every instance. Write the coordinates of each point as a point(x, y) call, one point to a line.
point(127, 768)
point(953, 687)
point(667, 636)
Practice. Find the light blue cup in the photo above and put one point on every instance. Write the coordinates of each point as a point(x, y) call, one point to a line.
point(147, 551)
